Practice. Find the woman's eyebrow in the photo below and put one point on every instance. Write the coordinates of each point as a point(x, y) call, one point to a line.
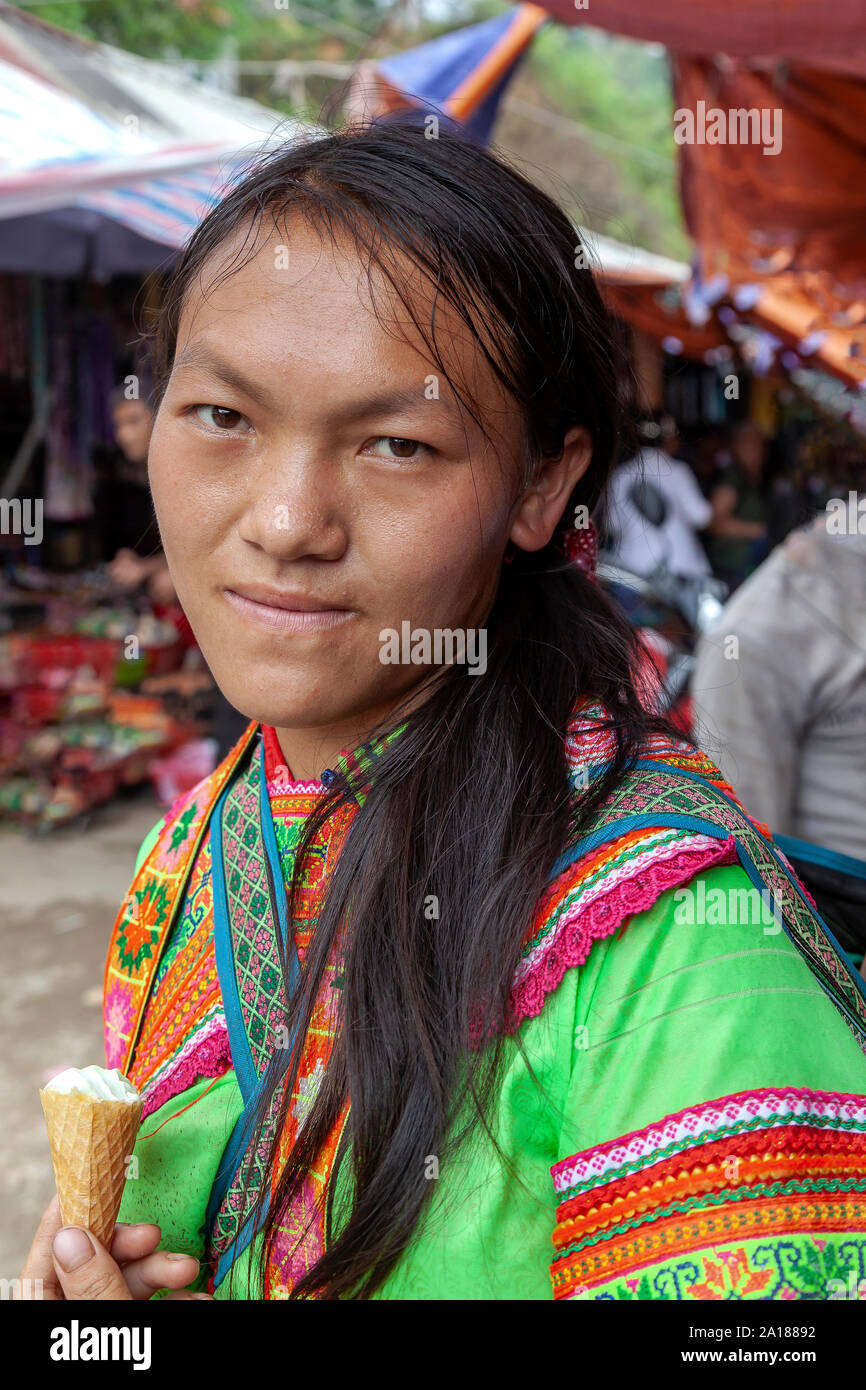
point(195, 355)
point(410, 398)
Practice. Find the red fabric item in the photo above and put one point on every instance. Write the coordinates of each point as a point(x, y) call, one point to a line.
point(275, 763)
point(808, 201)
point(828, 36)
point(792, 223)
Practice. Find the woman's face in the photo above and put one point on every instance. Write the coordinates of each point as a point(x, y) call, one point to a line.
point(316, 483)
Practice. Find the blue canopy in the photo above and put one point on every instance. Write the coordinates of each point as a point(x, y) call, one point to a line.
point(432, 73)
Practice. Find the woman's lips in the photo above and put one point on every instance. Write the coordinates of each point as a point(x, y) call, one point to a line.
point(286, 613)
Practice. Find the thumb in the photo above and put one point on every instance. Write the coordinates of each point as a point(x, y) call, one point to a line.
point(85, 1268)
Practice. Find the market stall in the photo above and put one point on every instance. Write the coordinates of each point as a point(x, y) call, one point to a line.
point(107, 163)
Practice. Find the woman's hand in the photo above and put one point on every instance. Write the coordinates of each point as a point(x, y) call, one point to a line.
point(72, 1264)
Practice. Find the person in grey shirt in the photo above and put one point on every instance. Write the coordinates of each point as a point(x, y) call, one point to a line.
point(779, 688)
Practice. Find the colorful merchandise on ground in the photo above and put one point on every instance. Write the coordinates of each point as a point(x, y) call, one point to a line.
point(72, 732)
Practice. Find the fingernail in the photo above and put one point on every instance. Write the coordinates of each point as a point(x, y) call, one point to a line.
point(72, 1248)
point(170, 1255)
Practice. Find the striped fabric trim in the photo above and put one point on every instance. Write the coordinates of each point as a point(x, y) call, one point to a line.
point(145, 921)
point(183, 1032)
point(746, 1110)
point(590, 743)
point(629, 856)
point(594, 896)
point(768, 1164)
point(591, 899)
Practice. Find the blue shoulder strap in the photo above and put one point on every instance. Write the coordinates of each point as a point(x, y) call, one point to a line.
point(251, 1053)
point(821, 857)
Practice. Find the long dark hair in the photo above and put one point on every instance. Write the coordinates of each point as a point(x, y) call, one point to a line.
point(471, 803)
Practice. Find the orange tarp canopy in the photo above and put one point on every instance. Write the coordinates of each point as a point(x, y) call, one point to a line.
point(792, 222)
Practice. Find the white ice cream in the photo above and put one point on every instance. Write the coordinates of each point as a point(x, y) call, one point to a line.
point(95, 1082)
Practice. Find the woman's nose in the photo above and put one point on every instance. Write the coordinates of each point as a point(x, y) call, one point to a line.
point(295, 513)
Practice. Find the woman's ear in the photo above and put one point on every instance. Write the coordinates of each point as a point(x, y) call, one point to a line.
point(546, 497)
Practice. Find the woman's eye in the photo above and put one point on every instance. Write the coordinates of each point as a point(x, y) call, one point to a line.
point(220, 417)
point(398, 448)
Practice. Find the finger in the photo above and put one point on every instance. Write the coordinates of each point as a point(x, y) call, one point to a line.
point(133, 1242)
point(85, 1268)
point(160, 1271)
point(39, 1264)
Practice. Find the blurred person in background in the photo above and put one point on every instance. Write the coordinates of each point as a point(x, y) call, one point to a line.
point(129, 534)
point(636, 543)
point(784, 704)
point(140, 560)
point(703, 453)
point(739, 531)
point(128, 522)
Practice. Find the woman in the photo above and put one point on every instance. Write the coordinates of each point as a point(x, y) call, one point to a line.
point(738, 534)
point(441, 922)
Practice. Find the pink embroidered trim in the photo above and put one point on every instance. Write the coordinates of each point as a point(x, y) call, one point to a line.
point(208, 1056)
point(589, 740)
point(578, 887)
point(601, 918)
point(277, 774)
point(283, 786)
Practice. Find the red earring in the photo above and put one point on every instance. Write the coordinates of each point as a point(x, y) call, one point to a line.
point(581, 548)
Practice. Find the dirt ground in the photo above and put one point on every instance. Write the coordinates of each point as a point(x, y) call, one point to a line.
point(59, 895)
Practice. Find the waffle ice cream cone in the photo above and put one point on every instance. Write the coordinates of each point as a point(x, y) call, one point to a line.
point(91, 1137)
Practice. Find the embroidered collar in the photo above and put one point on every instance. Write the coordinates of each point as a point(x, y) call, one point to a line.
point(356, 765)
